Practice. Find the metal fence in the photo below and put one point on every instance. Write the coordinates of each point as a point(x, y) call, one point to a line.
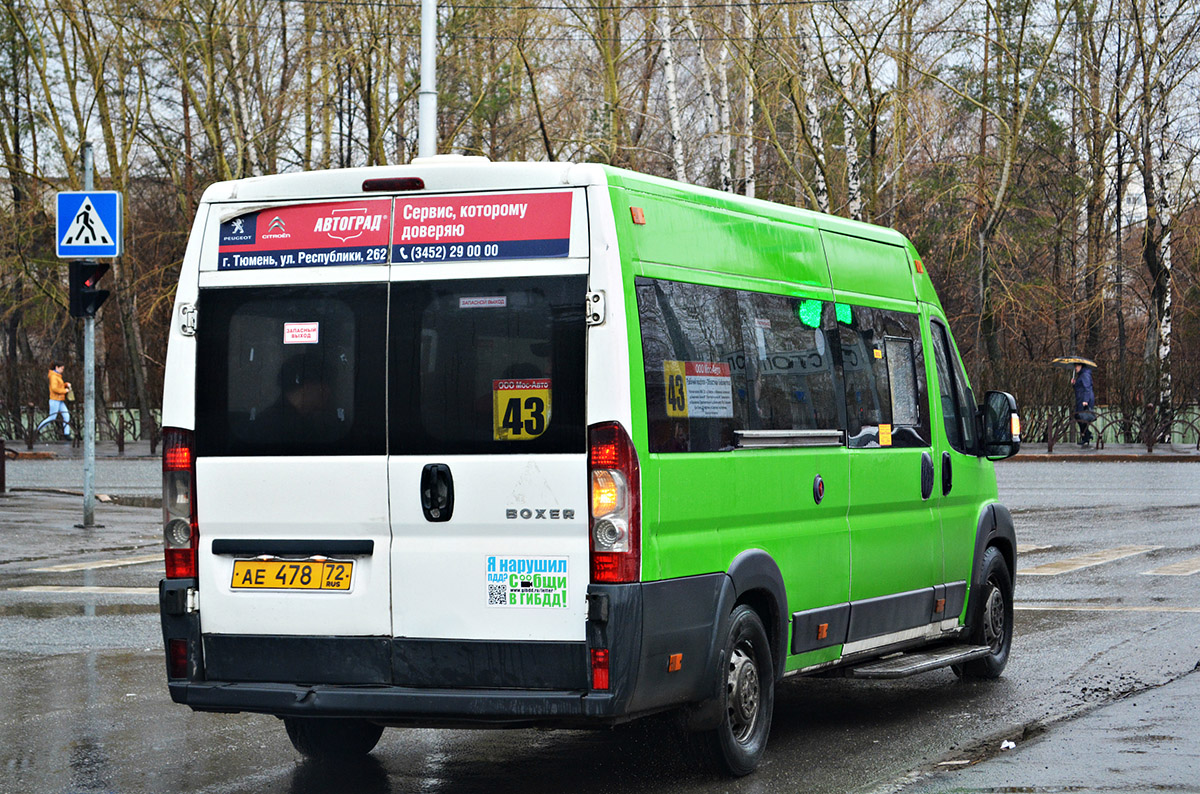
point(115, 424)
point(1042, 424)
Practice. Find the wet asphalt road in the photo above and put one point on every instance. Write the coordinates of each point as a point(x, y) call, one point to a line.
point(83, 703)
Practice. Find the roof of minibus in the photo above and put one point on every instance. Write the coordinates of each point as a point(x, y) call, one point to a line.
point(462, 174)
point(457, 173)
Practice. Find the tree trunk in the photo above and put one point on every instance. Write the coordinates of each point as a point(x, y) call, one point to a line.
point(676, 132)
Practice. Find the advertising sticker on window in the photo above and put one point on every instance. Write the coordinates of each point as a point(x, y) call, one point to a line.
point(698, 389)
point(307, 235)
point(494, 226)
point(520, 408)
point(527, 582)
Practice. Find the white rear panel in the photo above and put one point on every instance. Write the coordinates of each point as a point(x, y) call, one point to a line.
point(440, 571)
point(294, 499)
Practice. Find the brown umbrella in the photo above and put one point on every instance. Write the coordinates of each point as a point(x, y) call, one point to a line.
point(1069, 362)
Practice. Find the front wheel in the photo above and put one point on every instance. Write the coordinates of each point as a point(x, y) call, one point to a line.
point(747, 696)
point(330, 739)
point(990, 619)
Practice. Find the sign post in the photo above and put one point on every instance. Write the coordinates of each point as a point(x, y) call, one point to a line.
point(89, 224)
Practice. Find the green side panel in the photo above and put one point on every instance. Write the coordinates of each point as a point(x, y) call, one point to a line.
point(719, 237)
point(869, 267)
point(764, 501)
point(895, 535)
point(925, 290)
point(801, 660)
point(974, 478)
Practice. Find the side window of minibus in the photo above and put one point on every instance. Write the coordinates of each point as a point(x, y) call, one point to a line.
point(788, 363)
point(958, 407)
point(883, 366)
point(695, 365)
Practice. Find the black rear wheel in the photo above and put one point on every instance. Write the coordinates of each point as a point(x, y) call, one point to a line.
point(747, 696)
point(330, 739)
point(990, 618)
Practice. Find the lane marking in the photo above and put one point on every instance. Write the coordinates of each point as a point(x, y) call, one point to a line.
point(1086, 560)
point(1185, 568)
point(1029, 548)
point(87, 566)
point(62, 588)
point(1102, 608)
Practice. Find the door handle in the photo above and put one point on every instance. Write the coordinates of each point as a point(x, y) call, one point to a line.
point(437, 492)
point(947, 474)
point(926, 475)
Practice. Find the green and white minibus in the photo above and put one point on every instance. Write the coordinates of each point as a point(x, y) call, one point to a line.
point(541, 444)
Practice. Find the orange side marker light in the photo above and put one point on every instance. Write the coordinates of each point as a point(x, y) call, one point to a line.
point(639, 217)
point(822, 631)
point(675, 663)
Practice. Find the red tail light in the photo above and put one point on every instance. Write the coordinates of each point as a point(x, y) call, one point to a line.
point(180, 533)
point(599, 668)
point(615, 508)
point(177, 659)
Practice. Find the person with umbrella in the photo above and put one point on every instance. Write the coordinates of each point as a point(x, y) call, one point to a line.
point(1085, 397)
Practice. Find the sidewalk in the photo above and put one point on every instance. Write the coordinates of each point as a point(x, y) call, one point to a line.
point(134, 478)
point(1066, 451)
point(61, 450)
point(1149, 741)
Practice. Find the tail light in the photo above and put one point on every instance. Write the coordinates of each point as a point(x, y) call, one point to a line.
point(177, 658)
point(180, 534)
point(599, 668)
point(616, 538)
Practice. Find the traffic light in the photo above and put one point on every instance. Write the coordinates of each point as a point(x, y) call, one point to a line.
point(85, 298)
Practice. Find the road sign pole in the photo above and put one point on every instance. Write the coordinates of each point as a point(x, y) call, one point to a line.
point(89, 386)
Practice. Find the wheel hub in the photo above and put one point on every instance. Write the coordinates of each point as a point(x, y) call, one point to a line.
point(993, 618)
point(744, 694)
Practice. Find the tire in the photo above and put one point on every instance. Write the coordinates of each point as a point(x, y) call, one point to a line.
point(990, 618)
point(747, 683)
point(330, 739)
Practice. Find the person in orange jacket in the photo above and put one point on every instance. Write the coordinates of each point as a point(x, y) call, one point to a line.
point(58, 397)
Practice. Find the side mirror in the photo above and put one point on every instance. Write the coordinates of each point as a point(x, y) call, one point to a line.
point(1001, 426)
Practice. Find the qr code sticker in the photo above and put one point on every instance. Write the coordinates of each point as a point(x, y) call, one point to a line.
point(497, 595)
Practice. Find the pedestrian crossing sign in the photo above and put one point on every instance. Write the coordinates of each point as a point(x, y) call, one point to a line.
point(90, 224)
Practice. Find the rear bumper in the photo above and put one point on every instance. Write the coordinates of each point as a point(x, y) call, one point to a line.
point(401, 705)
point(468, 682)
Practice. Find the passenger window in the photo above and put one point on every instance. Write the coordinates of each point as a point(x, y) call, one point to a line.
point(958, 402)
point(720, 360)
point(790, 373)
point(291, 371)
point(695, 366)
point(487, 366)
point(883, 369)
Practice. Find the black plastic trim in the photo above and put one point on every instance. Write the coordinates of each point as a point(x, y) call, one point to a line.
point(956, 599)
point(805, 627)
point(679, 616)
point(283, 547)
point(179, 624)
point(995, 528)
point(874, 617)
point(489, 664)
point(754, 569)
point(298, 659)
point(400, 705)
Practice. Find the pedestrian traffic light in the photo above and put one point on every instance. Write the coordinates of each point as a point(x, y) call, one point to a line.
point(85, 298)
